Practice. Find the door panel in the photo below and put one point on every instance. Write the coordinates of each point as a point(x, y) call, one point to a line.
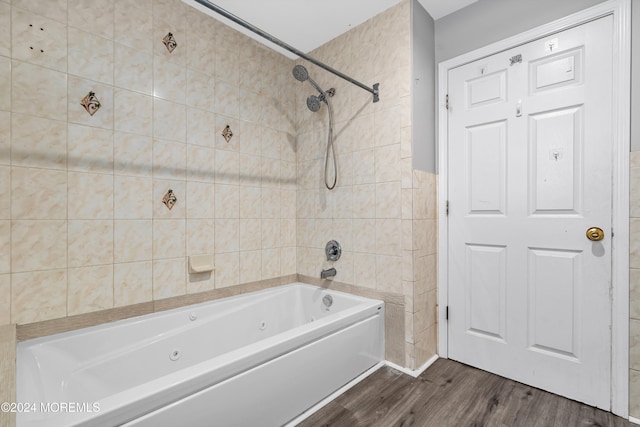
point(556, 161)
point(551, 72)
point(529, 172)
point(554, 301)
point(486, 89)
point(486, 293)
point(487, 156)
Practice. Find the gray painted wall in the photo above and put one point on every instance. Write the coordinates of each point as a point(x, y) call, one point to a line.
point(489, 21)
point(424, 92)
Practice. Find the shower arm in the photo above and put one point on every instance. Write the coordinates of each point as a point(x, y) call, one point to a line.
point(373, 90)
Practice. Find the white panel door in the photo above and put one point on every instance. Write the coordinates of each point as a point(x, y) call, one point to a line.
point(530, 170)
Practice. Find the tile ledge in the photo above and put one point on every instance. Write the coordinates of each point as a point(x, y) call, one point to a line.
point(64, 324)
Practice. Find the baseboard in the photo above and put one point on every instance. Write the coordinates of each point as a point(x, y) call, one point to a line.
point(634, 420)
point(410, 372)
point(306, 414)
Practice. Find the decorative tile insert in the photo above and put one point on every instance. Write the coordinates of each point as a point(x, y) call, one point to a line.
point(227, 133)
point(170, 42)
point(91, 103)
point(169, 199)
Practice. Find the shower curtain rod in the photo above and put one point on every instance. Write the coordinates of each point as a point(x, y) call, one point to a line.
point(374, 90)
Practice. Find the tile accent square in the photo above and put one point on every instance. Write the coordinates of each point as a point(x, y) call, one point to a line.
point(96, 99)
point(169, 199)
point(170, 42)
point(227, 133)
point(160, 189)
point(91, 103)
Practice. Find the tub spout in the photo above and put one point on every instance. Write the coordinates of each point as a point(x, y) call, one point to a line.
point(328, 273)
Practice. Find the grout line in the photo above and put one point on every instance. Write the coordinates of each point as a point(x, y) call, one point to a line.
point(67, 168)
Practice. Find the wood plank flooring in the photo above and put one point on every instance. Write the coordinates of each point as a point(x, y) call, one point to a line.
point(452, 394)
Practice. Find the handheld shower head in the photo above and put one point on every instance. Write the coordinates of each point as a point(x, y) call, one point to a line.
point(313, 103)
point(300, 73)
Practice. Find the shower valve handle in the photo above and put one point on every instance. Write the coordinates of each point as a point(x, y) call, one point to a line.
point(333, 250)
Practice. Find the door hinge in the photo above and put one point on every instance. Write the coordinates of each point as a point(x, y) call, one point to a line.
point(446, 101)
point(447, 208)
point(446, 313)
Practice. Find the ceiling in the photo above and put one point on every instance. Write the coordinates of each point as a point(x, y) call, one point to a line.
point(308, 24)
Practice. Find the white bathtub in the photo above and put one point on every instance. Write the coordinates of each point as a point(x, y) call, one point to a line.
point(258, 359)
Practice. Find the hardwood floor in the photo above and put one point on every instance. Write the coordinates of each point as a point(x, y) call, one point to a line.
point(452, 394)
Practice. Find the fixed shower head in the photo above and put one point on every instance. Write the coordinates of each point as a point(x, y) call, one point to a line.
point(313, 103)
point(300, 73)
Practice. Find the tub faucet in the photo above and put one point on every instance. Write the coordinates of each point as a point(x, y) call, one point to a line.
point(328, 273)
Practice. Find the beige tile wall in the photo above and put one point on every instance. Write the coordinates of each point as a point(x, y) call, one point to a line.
point(634, 279)
point(7, 371)
point(83, 228)
point(381, 212)
point(82, 224)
